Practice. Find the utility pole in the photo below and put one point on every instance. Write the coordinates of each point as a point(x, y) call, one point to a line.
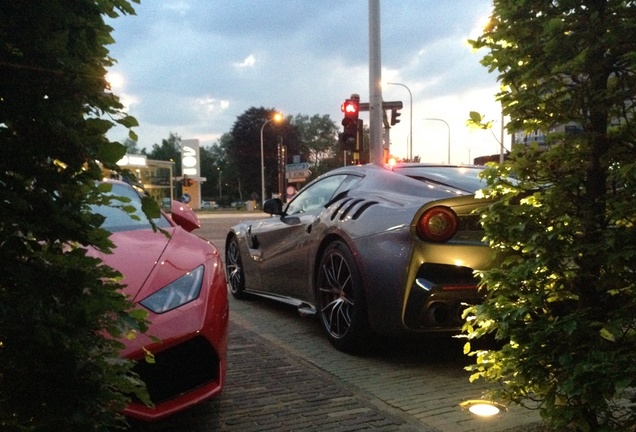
point(376, 147)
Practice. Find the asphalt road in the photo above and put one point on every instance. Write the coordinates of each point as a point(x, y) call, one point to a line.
point(283, 375)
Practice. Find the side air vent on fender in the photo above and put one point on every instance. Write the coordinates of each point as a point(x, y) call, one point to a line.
point(353, 207)
point(336, 208)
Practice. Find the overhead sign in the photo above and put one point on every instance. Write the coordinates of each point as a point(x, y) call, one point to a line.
point(302, 174)
point(297, 180)
point(391, 105)
point(301, 166)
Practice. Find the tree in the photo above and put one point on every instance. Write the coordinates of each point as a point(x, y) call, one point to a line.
point(231, 179)
point(319, 136)
point(133, 148)
point(562, 300)
point(169, 150)
point(61, 311)
point(244, 153)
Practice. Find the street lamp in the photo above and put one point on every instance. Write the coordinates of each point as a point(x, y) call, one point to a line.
point(410, 152)
point(448, 127)
point(220, 183)
point(277, 117)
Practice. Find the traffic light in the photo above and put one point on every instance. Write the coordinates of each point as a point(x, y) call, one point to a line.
point(348, 138)
point(351, 108)
point(185, 181)
point(394, 117)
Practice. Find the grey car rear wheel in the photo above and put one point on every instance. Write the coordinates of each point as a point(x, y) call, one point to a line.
point(341, 302)
point(234, 269)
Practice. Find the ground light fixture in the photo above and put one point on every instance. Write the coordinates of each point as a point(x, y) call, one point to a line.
point(482, 408)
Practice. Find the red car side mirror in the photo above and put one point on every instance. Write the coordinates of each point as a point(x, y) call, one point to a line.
point(184, 216)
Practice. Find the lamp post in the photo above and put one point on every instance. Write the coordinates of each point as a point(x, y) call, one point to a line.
point(448, 127)
point(220, 184)
point(410, 152)
point(277, 117)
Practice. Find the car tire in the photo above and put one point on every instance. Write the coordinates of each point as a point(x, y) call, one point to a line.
point(234, 270)
point(341, 301)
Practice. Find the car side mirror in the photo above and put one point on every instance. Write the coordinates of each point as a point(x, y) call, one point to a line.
point(273, 206)
point(184, 216)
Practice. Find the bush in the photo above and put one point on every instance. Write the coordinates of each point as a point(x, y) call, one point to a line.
point(562, 298)
point(61, 311)
point(562, 302)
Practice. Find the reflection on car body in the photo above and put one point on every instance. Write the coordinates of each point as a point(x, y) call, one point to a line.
point(179, 279)
point(371, 250)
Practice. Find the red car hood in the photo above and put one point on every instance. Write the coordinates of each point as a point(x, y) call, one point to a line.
point(136, 254)
point(149, 260)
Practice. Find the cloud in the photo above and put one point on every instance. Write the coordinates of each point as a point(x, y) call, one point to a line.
point(180, 7)
point(193, 66)
point(249, 61)
point(211, 104)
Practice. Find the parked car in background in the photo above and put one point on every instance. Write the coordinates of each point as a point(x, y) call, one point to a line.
point(208, 205)
point(166, 204)
point(373, 251)
point(179, 279)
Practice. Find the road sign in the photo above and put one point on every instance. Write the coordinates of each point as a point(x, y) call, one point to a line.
point(297, 174)
point(297, 166)
point(186, 198)
point(391, 105)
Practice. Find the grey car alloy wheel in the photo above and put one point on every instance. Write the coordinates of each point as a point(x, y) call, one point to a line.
point(341, 302)
point(234, 269)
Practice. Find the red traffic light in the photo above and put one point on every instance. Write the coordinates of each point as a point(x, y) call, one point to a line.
point(350, 108)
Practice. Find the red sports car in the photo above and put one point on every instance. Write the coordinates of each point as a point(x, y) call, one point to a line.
point(181, 282)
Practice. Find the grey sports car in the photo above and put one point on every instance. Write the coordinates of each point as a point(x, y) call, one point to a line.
point(372, 250)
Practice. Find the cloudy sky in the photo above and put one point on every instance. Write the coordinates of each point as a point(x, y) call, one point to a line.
point(191, 67)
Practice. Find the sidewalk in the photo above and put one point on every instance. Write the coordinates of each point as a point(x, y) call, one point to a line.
point(284, 376)
point(267, 390)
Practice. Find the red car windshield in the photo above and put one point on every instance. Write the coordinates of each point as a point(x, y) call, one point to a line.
point(117, 219)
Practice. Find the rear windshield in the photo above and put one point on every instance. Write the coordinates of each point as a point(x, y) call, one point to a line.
point(463, 178)
point(118, 219)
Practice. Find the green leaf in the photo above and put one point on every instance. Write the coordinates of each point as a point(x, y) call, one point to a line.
point(128, 122)
point(475, 117)
point(133, 136)
point(607, 335)
point(111, 152)
point(150, 207)
point(149, 356)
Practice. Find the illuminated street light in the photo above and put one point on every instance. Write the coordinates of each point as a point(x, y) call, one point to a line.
point(448, 127)
point(277, 117)
point(410, 152)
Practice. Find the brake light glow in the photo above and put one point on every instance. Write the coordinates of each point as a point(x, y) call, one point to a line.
point(437, 224)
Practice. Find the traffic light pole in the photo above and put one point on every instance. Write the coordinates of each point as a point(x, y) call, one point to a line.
point(376, 148)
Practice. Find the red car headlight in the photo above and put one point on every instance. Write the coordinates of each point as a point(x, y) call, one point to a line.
point(177, 293)
point(437, 224)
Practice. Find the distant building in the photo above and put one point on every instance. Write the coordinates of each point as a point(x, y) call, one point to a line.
point(521, 137)
point(482, 160)
point(156, 176)
point(527, 138)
